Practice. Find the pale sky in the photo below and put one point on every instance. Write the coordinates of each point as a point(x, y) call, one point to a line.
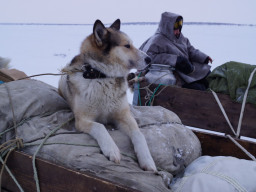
point(86, 12)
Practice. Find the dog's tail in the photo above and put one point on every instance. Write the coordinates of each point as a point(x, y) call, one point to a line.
point(4, 62)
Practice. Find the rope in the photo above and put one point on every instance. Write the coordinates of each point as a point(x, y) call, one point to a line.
point(9, 146)
point(12, 176)
point(160, 123)
point(13, 115)
point(18, 142)
point(226, 117)
point(146, 88)
point(11, 143)
point(237, 134)
point(22, 122)
point(39, 148)
point(86, 145)
point(4, 164)
point(223, 111)
point(242, 148)
point(60, 143)
point(243, 104)
point(150, 96)
point(54, 74)
point(139, 89)
point(11, 128)
point(165, 86)
point(153, 95)
point(73, 144)
point(228, 179)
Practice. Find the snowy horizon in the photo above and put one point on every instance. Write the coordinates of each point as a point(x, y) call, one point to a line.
point(133, 23)
point(37, 49)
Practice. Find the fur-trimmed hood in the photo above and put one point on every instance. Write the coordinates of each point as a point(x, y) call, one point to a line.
point(166, 24)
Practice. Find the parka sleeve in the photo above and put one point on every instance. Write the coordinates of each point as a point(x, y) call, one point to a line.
point(195, 55)
point(160, 55)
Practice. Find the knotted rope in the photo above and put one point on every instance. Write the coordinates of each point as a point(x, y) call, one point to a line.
point(150, 95)
point(10, 145)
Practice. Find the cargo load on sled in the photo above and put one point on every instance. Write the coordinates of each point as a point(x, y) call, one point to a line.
point(42, 151)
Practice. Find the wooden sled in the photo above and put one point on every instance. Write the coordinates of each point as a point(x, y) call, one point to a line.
point(199, 109)
point(195, 108)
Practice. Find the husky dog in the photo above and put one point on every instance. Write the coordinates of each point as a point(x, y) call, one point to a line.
point(96, 92)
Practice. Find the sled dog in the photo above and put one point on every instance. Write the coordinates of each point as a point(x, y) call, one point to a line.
point(96, 92)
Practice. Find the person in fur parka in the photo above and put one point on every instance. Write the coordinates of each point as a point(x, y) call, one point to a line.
point(168, 46)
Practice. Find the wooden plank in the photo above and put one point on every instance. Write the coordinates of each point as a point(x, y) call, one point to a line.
point(217, 145)
point(199, 109)
point(54, 178)
point(57, 178)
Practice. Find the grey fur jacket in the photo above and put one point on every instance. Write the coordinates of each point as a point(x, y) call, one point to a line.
point(163, 48)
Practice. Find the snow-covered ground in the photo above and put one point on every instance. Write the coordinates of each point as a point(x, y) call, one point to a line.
point(37, 49)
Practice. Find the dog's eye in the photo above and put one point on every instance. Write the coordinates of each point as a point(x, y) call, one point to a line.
point(128, 46)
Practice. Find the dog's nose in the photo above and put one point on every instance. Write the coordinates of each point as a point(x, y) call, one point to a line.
point(147, 60)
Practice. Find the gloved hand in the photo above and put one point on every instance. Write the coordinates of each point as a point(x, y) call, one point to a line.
point(133, 78)
point(184, 65)
point(208, 59)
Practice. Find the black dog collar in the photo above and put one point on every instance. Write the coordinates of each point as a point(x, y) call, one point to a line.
point(91, 73)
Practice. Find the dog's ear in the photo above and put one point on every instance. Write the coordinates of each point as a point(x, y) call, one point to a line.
point(75, 60)
point(99, 32)
point(116, 25)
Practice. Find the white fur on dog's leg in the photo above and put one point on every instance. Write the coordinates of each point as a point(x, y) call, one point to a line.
point(106, 143)
point(141, 149)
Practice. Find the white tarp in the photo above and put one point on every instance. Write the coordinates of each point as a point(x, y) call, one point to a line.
point(217, 174)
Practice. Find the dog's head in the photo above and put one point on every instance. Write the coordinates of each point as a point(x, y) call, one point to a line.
point(111, 51)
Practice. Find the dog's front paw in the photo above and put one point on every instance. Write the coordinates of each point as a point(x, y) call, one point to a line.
point(106, 143)
point(112, 153)
point(148, 165)
point(143, 154)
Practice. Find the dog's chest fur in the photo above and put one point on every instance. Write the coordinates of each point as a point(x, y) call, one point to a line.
point(100, 98)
